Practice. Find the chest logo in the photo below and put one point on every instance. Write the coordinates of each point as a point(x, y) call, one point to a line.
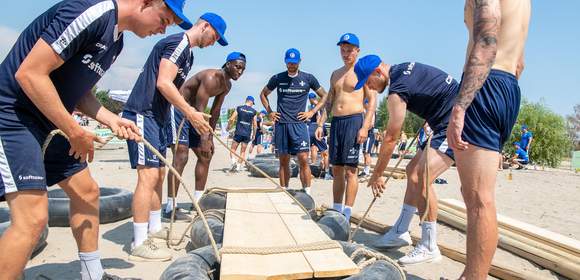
point(302, 83)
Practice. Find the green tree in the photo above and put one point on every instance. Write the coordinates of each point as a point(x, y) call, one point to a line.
point(551, 139)
point(103, 97)
point(574, 127)
point(411, 125)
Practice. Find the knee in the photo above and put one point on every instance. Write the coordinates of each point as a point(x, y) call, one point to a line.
point(204, 160)
point(89, 192)
point(477, 200)
point(412, 175)
point(181, 159)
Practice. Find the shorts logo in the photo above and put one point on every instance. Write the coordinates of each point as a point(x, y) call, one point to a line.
point(303, 144)
point(352, 151)
point(30, 178)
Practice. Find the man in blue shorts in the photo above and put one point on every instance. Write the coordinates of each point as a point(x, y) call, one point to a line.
point(484, 115)
point(429, 93)
point(520, 157)
point(316, 145)
point(197, 91)
point(49, 72)
point(260, 130)
point(245, 118)
point(291, 131)
point(148, 105)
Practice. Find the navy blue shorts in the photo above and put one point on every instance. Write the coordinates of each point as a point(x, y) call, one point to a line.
point(22, 166)
point(319, 144)
point(242, 138)
point(490, 118)
point(189, 136)
point(344, 149)
point(257, 139)
point(439, 143)
point(368, 144)
point(291, 138)
point(154, 133)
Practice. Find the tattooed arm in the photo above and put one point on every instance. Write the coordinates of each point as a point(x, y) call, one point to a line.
point(485, 28)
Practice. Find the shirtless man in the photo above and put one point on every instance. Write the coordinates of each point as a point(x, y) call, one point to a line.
point(484, 115)
point(246, 122)
point(290, 129)
point(197, 91)
point(429, 93)
point(49, 72)
point(348, 129)
point(149, 106)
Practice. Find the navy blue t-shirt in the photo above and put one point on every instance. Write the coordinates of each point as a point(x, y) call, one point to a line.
point(84, 34)
point(258, 125)
point(145, 98)
point(245, 118)
point(292, 94)
point(314, 118)
point(428, 91)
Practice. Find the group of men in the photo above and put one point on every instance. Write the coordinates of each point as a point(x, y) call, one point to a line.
point(470, 122)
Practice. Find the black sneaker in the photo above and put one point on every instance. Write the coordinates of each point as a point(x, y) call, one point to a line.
point(107, 276)
point(180, 216)
point(362, 174)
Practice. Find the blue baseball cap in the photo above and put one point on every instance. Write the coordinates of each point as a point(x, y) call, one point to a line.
point(250, 98)
point(349, 38)
point(524, 126)
point(177, 7)
point(292, 56)
point(236, 56)
point(364, 68)
point(312, 95)
point(218, 24)
point(263, 112)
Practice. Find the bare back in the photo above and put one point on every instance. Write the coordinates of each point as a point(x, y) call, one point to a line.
point(513, 32)
point(204, 85)
point(345, 100)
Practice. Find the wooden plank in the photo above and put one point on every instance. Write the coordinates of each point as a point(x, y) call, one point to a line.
point(525, 248)
point(324, 263)
point(251, 221)
point(497, 270)
point(547, 237)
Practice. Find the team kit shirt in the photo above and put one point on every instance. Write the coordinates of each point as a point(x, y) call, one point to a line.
point(428, 91)
point(84, 34)
point(145, 98)
point(526, 139)
point(244, 122)
point(292, 94)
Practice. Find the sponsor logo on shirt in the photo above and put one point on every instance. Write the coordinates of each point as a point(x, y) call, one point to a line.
point(101, 46)
point(181, 73)
point(94, 66)
point(409, 69)
point(290, 90)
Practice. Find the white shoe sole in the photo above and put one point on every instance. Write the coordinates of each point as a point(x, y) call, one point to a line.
point(390, 246)
point(141, 259)
point(431, 260)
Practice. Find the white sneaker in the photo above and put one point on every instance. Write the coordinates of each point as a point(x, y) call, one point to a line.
point(149, 252)
point(392, 241)
point(163, 234)
point(327, 176)
point(419, 255)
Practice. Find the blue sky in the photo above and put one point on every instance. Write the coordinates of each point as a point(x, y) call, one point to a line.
point(430, 32)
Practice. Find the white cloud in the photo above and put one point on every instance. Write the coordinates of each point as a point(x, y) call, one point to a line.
point(7, 38)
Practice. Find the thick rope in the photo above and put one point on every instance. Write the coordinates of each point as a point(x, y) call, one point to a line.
point(401, 156)
point(315, 246)
point(370, 257)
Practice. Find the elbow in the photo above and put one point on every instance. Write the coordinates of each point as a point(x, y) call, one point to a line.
point(22, 76)
point(163, 85)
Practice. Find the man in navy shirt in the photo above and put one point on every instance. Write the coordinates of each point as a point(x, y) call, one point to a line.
point(197, 91)
point(49, 72)
point(527, 138)
point(148, 105)
point(260, 130)
point(428, 92)
point(291, 131)
point(245, 118)
point(316, 145)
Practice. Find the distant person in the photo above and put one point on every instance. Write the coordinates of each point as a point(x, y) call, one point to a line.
point(245, 119)
point(258, 140)
point(520, 158)
point(402, 143)
point(527, 138)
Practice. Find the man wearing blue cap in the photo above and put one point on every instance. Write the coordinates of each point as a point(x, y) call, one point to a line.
point(526, 138)
point(520, 158)
point(291, 131)
point(49, 72)
point(245, 118)
point(260, 130)
point(148, 105)
point(316, 145)
point(428, 92)
point(349, 127)
point(197, 91)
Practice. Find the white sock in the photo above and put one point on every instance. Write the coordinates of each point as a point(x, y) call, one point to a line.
point(338, 207)
point(429, 235)
point(155, 221)
point(169, 205)
point(402, 224)
point(139, 233)
point(234, 160)
point(347, 212)
point(91, 268)
point(307, 190)
point(367, 169)
point(197, 195)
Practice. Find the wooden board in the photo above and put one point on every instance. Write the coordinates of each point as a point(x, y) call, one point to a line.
point(269, 220)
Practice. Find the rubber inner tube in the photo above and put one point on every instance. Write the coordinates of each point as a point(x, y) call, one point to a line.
point(213, 200)
point(335, 225)
point(5, 223)
point(215, 220)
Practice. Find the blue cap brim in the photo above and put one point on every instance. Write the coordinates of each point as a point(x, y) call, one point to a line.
point(185, 22)
point(361, 83)
point(292, 60)
point(222, 40)
point(347, 42)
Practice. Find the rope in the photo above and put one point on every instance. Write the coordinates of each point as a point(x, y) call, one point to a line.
point(401, 156)
point(370, 257)
point(315, 246)
point(249, 190)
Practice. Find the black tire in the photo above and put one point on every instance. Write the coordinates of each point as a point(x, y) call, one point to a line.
point(5, 223)
point(306, 200)
point(317, 171)
point(202, 264)
point(272, 169)
point(335, 225)
point(267, 155)
point(215, 220)
point(213, 200)
point(114, 205)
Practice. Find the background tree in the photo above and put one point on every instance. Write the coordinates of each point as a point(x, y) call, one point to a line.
point(411, 125)
point(103, 97)
point(574, 127)
point(551, 139)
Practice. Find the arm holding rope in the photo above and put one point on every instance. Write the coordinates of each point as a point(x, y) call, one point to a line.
point(397, 109)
